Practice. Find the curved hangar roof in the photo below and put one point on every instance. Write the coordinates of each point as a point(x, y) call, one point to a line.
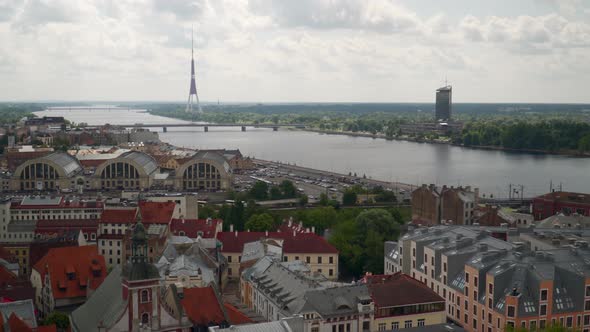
point(139, 159)
point(67, 163)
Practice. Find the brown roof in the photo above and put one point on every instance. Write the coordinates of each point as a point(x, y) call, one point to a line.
point(202, 306)
point(399, 289)
point(298, 243)
point(564, 196)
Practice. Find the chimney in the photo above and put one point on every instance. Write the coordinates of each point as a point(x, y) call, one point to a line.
point(307, 230)
point(236, 233)
point(231, 227)
point(294, 232)
point(313, 229)
point(266, 233)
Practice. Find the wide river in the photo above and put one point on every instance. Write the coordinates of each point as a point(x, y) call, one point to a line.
point(406, 162)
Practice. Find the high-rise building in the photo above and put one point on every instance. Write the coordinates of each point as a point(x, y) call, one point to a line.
point(444, 103)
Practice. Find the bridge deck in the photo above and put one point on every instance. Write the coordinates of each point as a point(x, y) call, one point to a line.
point(191, 124)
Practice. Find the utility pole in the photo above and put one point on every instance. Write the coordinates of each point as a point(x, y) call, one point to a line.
point(510, 192)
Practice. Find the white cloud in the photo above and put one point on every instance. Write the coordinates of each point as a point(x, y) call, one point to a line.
point(265, 50)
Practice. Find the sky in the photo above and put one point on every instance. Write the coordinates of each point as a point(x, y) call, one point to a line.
point(296, 51)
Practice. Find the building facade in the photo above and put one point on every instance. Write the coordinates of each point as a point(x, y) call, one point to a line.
point(567, 203)
point(444, 104)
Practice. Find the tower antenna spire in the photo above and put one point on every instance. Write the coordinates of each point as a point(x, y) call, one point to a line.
point(192, 94)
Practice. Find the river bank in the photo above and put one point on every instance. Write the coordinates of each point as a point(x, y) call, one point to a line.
point(569, 153)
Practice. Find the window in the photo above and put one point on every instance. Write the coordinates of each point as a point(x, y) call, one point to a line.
point(229, 271)
point(331, 272)
point(543, 310)
point(145, 296)
point(511, 311)
point(331, 260)
point(444, 267)
point(395, 325)
point(587, 290)
point(466, 277)
point(491, 288)
point(587, 305)
point(586, 320)
point(145, 318)
point(533, 325)
point(407, 324)
point(308, 259)
point(475, 281)
point(569, 322)
point(543, 295)
point(229, 259)
point(413, 252)
point(421, 322)
point(319, 259)
point(382, 327)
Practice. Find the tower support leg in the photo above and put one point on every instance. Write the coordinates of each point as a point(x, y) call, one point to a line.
point(206, 129)
point(243, 128)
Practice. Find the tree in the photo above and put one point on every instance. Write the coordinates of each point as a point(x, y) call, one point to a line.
point(349, 198)
point(259, 191)
point(303, 200)
point(385, 196)
point(206, 211)
point(260, 222)
point(288, 189)
point(61, 320)
point(323, 199)
point(275, 193)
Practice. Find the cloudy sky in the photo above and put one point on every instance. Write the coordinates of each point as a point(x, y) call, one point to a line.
point(303, 50)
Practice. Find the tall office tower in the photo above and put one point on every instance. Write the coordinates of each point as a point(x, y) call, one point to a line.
point(444, 103)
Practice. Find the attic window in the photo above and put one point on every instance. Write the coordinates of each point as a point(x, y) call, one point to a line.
point(200, 233)
point(71, 275)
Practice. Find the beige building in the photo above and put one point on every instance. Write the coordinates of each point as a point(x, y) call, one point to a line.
point(310, 248)
point(205, 170)
point(54, 171)
point(132, 170)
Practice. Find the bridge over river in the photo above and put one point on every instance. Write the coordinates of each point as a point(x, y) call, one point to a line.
point(206, 126)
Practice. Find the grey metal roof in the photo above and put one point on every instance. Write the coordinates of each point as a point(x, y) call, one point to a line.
point(336, 301)
point(41, 200)
point(23, 309)
point(104, 307)
point(282, 285)
point(290, 324)
point(69, 164)
point(145, 161)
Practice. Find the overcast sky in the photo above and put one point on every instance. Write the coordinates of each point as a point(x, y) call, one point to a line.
point(296, 50)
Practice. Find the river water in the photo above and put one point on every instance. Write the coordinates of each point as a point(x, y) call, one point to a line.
point(407, 162)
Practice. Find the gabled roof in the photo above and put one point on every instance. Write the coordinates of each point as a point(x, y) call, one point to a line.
point(202, 306)
point(193, 228)
point(399, 289)
point(86, 265)
point(298, 243)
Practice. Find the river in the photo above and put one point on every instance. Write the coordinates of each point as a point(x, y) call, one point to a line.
point(406, 162)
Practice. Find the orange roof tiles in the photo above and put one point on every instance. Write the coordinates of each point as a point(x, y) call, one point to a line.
point(201, 306)
point(235, 316)
point(156, 212)
point(80, 261)
point(118, 216)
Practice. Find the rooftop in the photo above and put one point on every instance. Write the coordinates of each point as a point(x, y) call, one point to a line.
point(398, 290)
point(84, 269)
point(298, 243)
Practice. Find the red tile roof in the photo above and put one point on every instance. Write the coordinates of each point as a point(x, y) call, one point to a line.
point(47, 226)
point(47, 328)
point(398, 289)
point(118, 216)
point(6, 275)
point(17, 324)
point(201, 306)
point(192, 227)
point(235, 316)
point(300, 243)
point(82, 260)
point(156, 212)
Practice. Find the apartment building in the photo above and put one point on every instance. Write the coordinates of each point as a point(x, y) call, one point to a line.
point(568, 203)
point(313, 249)
point(490, 284)
point(432, 205)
